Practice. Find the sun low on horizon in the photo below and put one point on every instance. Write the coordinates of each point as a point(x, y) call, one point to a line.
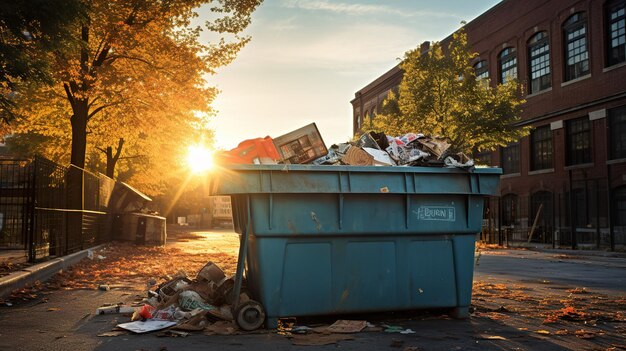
point(199, 158)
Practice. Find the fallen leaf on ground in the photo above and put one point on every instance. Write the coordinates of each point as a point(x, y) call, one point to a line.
point(112, 333)
point(542, 331)
point(585, 334)
point(491, 337)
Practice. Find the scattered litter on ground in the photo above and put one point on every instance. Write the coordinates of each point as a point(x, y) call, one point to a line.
point(396, 329)
point(114, 309)
point(347, 326)
point(140, 327)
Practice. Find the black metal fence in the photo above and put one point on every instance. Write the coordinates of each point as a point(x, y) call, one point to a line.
point(587, 209)
point(40, 213)
point(15, 203)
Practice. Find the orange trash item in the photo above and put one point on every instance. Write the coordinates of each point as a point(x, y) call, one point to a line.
point(247, 151)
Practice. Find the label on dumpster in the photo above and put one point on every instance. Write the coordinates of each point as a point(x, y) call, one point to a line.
point(436, 213)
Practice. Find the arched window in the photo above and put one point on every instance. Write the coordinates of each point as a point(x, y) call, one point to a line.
point(616, 31)
point(576, 49)
point(539, 62)
point(507, 63)
point(510, 209)
point(481, 69)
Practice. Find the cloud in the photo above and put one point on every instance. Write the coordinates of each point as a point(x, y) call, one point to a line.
point(360, 9)
point(332, 48)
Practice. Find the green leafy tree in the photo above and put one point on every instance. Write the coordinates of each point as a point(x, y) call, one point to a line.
point(30, 32)
point(440, 95)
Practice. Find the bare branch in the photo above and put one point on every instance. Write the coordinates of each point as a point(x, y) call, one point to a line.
point(133, 58)
point(102, 107)
point(69, 94)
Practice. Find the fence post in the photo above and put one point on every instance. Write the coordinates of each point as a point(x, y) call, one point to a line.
point(500, 241)
point(31, 209)
point(597, 207)
point(610, 209)
point(572, 211)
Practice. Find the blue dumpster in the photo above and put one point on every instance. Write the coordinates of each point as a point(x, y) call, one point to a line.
point(342, 239)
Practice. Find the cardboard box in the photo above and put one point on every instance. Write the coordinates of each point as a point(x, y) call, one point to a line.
point(303, 145)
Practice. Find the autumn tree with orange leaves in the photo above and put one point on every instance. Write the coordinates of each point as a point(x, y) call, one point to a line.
point(136, 82)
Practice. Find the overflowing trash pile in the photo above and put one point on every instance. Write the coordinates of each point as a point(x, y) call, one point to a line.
point(191, 304)
point(305, 146)
point(378, 149)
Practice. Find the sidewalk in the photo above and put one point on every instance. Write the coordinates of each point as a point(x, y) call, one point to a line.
point(29, 274)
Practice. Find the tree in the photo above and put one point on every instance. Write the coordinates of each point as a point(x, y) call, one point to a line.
point(440, 95)
point(138, 76)
point(131, 52)
point(30, 31)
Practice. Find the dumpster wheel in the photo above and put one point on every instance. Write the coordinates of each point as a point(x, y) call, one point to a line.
point(249, 315)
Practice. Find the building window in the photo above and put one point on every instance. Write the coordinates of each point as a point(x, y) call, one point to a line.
point(617, 132)
point(616, 32)
point(576, 53)
point(510, 209)
point(481, 69)
point(578, 141)
point(507, 62)
point(539, 61)
point(483, 158)
point(541, 148)
point(510, 159)
point(619, 205)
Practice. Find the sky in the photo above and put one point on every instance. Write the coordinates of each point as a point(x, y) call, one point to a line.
point(307, 58)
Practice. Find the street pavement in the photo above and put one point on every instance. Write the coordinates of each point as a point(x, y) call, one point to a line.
point(516, 292)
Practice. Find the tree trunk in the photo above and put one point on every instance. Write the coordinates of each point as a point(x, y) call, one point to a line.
point(79, 132)
point(112, 159)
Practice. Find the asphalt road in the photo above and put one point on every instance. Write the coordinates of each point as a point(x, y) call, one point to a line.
point(67, 320)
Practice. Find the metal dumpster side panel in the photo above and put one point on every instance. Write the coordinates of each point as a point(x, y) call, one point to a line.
point(302, 276)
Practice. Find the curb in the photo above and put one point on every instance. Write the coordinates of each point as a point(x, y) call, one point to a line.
point(42, 271)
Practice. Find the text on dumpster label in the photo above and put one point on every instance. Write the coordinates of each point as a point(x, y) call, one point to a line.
point(436, 213)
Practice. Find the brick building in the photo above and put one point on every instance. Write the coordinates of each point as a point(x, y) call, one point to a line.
point(571, 58)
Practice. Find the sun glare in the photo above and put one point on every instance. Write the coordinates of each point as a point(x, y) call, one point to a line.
point(199, 159)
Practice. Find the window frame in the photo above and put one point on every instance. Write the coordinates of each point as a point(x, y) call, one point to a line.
point(571, 25)
point(538, 41)
point(511, 166)
point(541, 149)
point(505, 56)
point(611, 6)
point(584, 155)
point(481, 69)
point(617, 132)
